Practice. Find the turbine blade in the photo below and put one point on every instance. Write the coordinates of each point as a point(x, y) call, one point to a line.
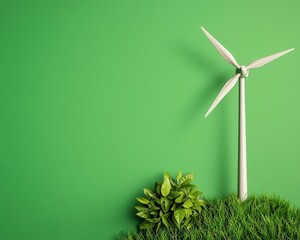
point(227, 87)
point(260, 62)
point(222, 50)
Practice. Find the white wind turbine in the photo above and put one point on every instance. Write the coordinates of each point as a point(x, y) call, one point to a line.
point(241, 73)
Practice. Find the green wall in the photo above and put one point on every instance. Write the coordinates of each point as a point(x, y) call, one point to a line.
point(99, 98)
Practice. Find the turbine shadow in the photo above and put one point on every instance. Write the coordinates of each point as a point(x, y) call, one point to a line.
point(200, 103)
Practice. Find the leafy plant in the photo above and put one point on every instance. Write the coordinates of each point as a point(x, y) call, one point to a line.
point(173, 203)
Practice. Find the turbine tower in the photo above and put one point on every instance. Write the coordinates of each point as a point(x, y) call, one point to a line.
point(242, 73)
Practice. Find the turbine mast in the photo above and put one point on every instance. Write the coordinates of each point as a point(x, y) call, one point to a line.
point(242, 175)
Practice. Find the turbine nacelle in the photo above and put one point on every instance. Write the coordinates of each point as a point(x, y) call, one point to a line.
point(243, 71)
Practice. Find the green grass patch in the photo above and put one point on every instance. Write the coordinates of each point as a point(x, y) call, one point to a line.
point(259, 217)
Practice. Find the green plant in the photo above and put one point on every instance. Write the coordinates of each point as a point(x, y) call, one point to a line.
point(259, 217)
point(173, 203)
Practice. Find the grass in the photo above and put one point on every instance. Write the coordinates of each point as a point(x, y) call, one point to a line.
point(259, 217)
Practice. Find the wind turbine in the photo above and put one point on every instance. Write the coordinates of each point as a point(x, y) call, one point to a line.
point(242, 73)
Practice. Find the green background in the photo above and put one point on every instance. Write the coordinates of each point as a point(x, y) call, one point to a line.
point(99, 98)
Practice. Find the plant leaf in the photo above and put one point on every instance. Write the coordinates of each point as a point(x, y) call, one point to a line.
point(179, 215)
point(161, 213)
point(180, 198)
point(187, 204)
point(172, 181)
point(167, 204)
point(186, 179)
point(187, 221)
point(174, 207)
point(166, 187)
point(149, 193)
point(199, 202)
point(158, 188)
point(179, 176)
point(142, 209)
point(165, 221)
point(188, 213)
point(154, 213)
point(173, 194)
point(146, 225)
point(143, 200)
point(153, 220)
point(162, 200)
point(198, 208)
point(142, 215)
point(167, 175)
point(153, 207)
point(189, 226)
point(158, 226)
point(194, 194)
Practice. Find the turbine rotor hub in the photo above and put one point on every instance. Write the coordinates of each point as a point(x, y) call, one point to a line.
point(243, 71)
